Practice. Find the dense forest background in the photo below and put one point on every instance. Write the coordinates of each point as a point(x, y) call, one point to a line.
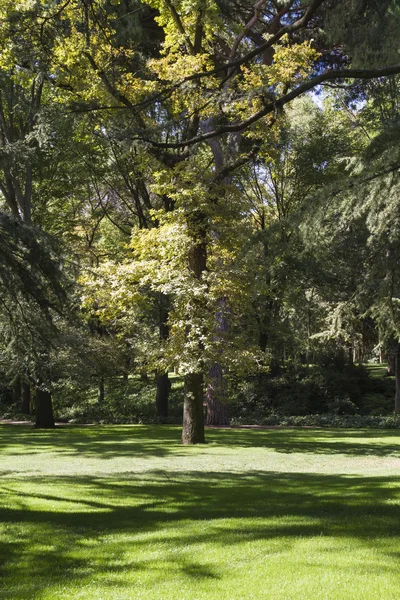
point(199, 210)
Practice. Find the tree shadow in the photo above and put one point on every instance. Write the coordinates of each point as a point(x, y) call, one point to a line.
point(164, 440)
point(313, 441)
point(107, 441)
point(80, 529)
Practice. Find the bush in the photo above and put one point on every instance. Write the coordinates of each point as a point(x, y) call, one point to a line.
point(125, 402)
point(328, 420)
point(301, 390)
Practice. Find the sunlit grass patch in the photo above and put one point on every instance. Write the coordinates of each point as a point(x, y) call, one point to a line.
point(127, 512)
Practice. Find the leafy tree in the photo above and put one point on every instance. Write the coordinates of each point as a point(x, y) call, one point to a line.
point(199, 102)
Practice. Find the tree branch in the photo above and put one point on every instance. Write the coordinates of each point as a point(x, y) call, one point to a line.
point(179, 25)
point(247, 28)
point(280, 102)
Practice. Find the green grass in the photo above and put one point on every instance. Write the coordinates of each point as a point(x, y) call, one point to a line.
point(377, 371)
point(127, 513)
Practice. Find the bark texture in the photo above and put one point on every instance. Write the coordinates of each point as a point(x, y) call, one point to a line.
point(193, 416)
point(217, 410)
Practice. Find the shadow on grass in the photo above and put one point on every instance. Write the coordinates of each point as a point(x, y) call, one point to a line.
point(162, 440)
point(75, 529)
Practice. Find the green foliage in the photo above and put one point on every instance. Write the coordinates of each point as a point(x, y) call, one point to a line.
point(369, 30)
point(332, 387)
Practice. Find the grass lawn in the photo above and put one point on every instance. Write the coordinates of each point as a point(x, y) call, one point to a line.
point(125, 512)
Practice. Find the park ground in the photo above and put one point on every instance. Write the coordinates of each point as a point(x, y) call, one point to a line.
point(126, 512)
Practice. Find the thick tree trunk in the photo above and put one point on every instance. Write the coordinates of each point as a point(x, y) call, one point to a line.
point(162, 394)
point(26, 398)
point(44, 409)
point(193, 416)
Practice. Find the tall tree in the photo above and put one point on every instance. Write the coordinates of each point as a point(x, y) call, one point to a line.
point(199, 107)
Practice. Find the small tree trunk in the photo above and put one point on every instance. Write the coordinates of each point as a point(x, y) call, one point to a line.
point(397, 371)
point(391, 363)
point(193, 416)
point(16, 391)
point(26, 398)
point(351, 355)
point(162, 394)
point(216, 394)
point(217, 410)
point(100, 392)
point(162, 381)
point(44, 409)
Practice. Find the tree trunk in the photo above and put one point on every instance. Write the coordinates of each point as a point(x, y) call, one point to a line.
point(162, 381)
point(16, 391)
point(217, 410)
point(216, 394)
point(391, 363)
point(101, 392)
point(193, 416)
point(44, 409)
point(26, 398)
point(397, 371)
point(350, 353)
point(162, 394)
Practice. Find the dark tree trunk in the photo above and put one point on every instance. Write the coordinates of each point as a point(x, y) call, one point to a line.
point(217, 410)
point(216, 394)
point(391, 363)
point(162, 394)
point(26, 398)
point(397, 371)
point(162, 381)
point(193, 416)
point(351, 355)
point(263, 340)
point(100, 392)
point(44, 409)
point(16, 391)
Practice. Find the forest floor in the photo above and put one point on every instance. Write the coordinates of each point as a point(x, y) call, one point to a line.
point(126, 512)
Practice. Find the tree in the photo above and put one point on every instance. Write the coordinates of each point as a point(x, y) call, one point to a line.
point(31, 293)
point(199, 108)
